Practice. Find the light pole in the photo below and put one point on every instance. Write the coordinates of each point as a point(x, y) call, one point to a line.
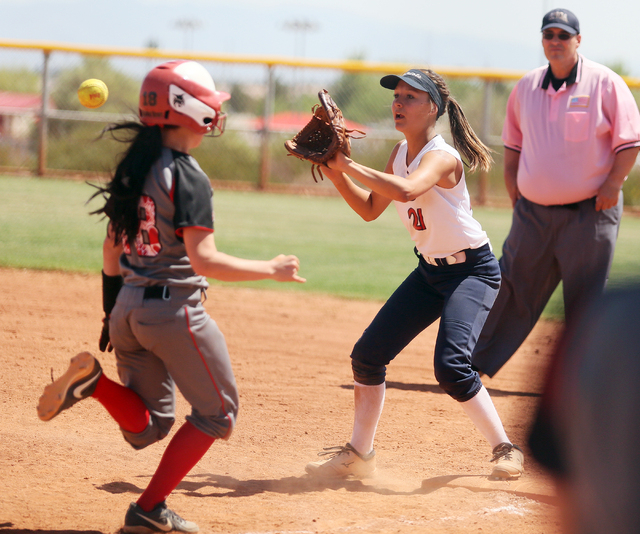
point(188, 26)
point(300, 29)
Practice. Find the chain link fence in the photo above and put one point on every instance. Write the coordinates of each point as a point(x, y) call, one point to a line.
point(44, 130)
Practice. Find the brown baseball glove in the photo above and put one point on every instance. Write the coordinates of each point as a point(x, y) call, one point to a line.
point(322, 136)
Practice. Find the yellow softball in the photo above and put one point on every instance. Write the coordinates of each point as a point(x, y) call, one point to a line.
point(93, 93)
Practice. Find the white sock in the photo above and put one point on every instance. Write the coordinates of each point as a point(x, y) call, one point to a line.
point(368, 403)
point(483, 414)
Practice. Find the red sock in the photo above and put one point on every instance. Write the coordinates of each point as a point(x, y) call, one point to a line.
point(124, 405)
point(183, 452)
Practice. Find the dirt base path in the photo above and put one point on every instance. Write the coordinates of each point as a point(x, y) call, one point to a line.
point(290, 355)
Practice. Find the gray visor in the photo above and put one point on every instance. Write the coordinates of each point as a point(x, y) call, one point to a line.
point(418, 80)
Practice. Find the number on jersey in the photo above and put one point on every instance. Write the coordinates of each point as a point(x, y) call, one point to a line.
point(147, 241)
point(416, 218)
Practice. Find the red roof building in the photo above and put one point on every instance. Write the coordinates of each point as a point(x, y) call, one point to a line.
point(20, 100)
point(18, 112)
point(292, 121)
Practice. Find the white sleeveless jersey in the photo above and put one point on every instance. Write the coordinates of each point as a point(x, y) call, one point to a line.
point(439, 221)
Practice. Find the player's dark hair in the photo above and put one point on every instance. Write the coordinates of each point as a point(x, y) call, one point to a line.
point(465, 140)
point(123, 191)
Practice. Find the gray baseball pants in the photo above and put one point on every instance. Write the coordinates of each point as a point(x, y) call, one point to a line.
point(546, 244)
point(161, 344)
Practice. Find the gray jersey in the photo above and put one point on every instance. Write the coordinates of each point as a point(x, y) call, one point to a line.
point(177, 194)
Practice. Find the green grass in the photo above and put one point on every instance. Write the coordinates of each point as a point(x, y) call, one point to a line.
point(45, 224)
point(626, 262)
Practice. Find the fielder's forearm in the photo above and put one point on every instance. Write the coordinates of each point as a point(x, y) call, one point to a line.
point(387, 185)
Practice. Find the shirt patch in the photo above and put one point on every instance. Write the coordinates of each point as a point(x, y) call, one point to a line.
point(579, 101)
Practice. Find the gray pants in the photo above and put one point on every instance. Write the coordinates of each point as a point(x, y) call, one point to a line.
point(161, 344)
point(546, 244)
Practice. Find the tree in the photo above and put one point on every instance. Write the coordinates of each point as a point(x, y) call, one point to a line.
point(20, 80)
point(123, 90)
point(242, 102)
point(361, 98)
point(619, 68)
point(72, 142)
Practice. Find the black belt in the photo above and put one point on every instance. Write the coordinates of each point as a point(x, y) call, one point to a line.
point(157, 292)
point(573, 205)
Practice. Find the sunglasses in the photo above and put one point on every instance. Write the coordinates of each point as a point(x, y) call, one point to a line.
point(563, 36)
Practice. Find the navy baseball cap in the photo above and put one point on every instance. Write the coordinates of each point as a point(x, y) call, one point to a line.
point(563, 19)
point(418, 80)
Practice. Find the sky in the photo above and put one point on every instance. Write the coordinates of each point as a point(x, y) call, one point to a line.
point(500, 34)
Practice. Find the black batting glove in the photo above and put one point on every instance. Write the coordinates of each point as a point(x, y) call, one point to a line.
point(105, 341)
point(110, 288)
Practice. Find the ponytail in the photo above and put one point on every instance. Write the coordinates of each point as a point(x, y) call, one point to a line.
point(122, 193)
point(465, 140)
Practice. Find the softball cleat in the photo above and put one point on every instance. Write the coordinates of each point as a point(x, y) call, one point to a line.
point(160, 519)
point(79, 382)
point(509, 461)
point(343, 462)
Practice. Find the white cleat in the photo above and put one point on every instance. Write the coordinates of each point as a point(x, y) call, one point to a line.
point(509, 461)
point(343, 462)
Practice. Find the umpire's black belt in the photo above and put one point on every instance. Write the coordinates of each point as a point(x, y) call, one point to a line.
point(574, 205)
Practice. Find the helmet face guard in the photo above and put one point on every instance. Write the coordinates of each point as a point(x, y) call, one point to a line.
point(221, 124)
point(182, 93)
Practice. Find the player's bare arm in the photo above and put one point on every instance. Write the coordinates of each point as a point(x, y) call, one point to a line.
point(368, 204)
point(111, 251)
point(433, 169)
point(208, 261)
point(436, 168)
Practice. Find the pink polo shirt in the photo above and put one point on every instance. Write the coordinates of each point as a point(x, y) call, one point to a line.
point(568, 139)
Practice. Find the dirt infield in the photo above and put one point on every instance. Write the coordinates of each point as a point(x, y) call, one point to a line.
point(290, 355)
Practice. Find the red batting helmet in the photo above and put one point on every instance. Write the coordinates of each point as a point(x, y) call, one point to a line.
point(182, 93)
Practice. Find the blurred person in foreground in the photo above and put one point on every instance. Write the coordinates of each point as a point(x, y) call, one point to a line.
point(571, 137)
point(586, 432)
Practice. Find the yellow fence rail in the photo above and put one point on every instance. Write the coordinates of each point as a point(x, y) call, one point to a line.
point(486, 109)
point(345, 65)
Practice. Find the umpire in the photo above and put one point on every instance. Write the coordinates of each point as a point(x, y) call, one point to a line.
point(571, 136)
